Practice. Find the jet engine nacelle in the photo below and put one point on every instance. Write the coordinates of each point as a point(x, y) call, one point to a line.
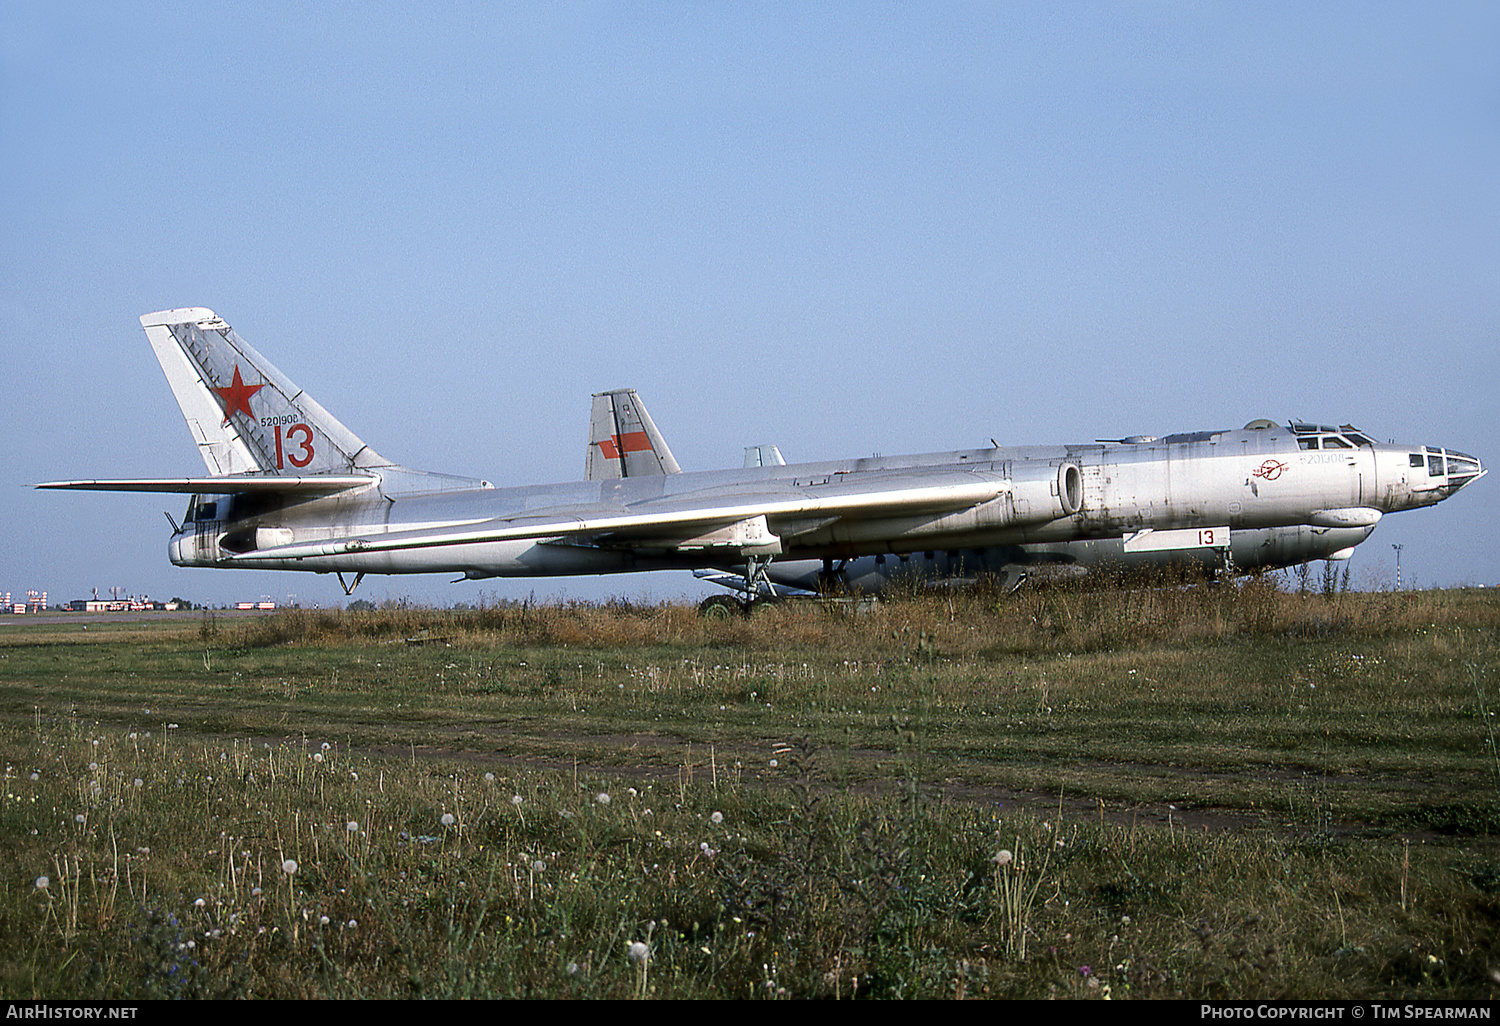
point(1044, 492)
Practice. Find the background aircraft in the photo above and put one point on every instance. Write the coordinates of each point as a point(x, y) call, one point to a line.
point(642, 451)
point(291, 488)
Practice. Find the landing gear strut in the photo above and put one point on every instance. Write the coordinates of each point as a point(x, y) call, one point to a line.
point(756, 578)
point(831, 578)
point(757, 587)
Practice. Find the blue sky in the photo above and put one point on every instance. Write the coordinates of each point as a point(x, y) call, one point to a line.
point(847, 229)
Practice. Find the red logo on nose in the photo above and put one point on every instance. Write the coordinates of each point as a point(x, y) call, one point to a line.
point(1270, 470)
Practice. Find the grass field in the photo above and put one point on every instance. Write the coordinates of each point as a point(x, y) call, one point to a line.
point(1170, 792)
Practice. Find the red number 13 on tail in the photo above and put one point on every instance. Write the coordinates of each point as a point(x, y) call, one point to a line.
point(303, 455)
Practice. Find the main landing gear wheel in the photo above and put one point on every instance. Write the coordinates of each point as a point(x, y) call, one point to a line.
point(721, 607)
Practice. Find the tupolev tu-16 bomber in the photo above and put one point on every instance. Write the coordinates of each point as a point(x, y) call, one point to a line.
point(289, 487)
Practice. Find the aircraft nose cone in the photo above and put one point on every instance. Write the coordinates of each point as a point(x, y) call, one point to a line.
point(1463, 469)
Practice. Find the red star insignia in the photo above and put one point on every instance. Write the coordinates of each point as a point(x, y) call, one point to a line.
point(236, 396)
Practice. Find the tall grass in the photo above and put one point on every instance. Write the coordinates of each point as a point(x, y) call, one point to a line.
point(775, 824)
point(1056, 618)
point(230, 869)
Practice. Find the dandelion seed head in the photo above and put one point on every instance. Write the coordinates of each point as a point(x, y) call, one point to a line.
point(42, 883)
point(289, 867)
point(317, 756)
point(638, 953)
point(774, 764)
point(538, 866)
point(200, 903)
point(716, 818)
point(602, 798)
point(1003, 858)
point(352, 826)
point(448, 819)
point(489, 778)
point(516, 801)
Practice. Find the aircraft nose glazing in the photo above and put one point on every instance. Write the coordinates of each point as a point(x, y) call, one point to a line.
point(1463, 469)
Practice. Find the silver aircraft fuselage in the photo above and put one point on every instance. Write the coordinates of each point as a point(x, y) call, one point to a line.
point(291, 488)
point(1226, 481)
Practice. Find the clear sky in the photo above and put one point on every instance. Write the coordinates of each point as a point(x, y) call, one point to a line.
point(841, 228)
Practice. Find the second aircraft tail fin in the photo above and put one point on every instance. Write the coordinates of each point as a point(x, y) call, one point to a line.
point(623, 441)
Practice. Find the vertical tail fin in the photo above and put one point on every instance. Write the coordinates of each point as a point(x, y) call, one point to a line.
point(763, 456)
point(245, 415)
point(623, 441)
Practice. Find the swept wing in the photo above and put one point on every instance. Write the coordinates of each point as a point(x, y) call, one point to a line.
point(744, 521)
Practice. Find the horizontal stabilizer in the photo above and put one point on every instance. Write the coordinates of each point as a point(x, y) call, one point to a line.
point(329, 484)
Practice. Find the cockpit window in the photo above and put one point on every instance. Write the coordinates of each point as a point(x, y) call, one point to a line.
point(1417, 460)
point(1434, 465)
point(1307, 443)
point(1359, 439)
point(1335, 442)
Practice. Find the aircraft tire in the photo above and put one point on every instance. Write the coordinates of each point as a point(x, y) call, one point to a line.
point(721, 607)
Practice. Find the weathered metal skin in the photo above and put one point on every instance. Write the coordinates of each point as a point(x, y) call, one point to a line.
point(1242, 480)
point(290, 488)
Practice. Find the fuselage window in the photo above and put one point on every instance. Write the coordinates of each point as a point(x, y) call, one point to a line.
point(1308, 443)
point(1416, 459)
